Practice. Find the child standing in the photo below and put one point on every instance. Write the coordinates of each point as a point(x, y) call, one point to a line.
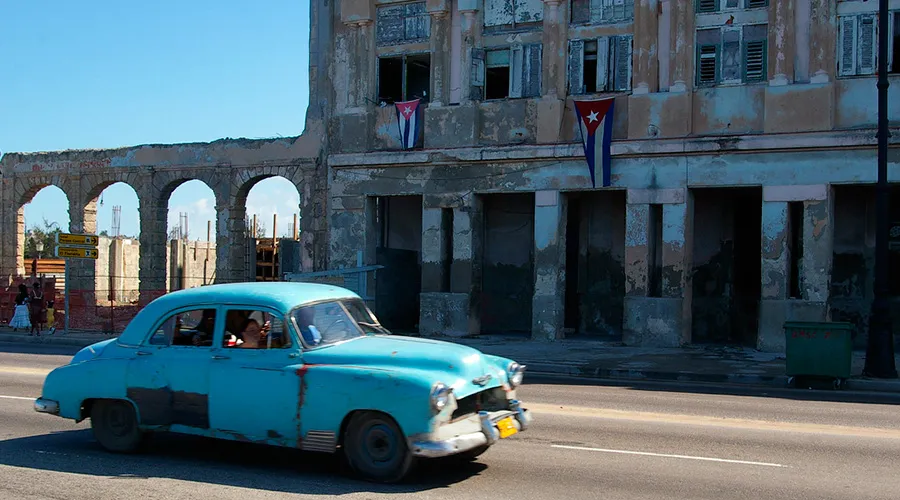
point(20, 316)
point(51, 319)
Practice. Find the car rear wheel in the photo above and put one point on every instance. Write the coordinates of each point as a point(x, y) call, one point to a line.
point(115, 426)
point(376, 448)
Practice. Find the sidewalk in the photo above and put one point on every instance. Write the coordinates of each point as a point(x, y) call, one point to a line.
point(591, 359)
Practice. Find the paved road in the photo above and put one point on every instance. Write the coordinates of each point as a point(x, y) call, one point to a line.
point(623, 442)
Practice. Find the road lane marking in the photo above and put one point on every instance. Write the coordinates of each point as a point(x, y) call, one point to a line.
point(18, 370)
point(703, 420)
point(665, 455)
point(17, 397)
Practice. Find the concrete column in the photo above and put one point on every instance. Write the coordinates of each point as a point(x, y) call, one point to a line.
point(465, 270)
point(554, 41)
point(548, 305)
point(646, 39)
point(818, 248)
point(781, 45)
point(815, 268)
point(433, 254)
point(822, 41)
point(153, 256)
point(470, 33)
point(637, 222)
point(82, 280)
point(682, 62)
point(663, 321)
point(365, 85)
point(8, 227)
point(677, 267)
point(232, 245)
point(440, 56)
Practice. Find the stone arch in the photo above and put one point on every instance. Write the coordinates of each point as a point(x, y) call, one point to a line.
point(26, 188)
point(116, 272)
point(237, 236)
point(190, 262)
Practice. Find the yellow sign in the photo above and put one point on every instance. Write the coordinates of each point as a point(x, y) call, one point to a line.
point(76, 253)
point(506, 427)
point(77, 239)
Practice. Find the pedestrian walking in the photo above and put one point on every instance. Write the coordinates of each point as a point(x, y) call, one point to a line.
point(51, 317)
point(38, 309)
point(20, 313)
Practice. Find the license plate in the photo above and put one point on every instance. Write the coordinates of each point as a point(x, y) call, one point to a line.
point(507, 427)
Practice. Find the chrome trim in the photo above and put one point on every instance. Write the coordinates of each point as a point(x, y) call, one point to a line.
point(523, 416)
point(482, 381)
point(42, 405)
point(488, 435)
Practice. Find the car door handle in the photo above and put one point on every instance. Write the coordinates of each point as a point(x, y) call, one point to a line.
point(217, 356)
point(144, 353)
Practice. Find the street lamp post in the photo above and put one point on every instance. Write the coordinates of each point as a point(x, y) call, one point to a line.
point(39, 247)
point(880, 348)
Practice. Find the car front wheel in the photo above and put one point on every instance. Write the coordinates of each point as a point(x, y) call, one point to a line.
point(376, 448)
point(115, 426)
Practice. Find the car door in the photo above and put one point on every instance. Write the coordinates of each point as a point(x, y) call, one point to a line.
point(168, 379)
point(255, 392)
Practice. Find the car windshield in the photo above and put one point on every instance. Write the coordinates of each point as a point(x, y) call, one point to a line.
point(335, 321)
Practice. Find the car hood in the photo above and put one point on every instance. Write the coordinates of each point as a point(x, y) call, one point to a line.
point(453, 364)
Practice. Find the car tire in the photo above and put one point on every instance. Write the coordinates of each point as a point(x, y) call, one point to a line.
point(376, 449)
point(471, 455)
point(115, 426)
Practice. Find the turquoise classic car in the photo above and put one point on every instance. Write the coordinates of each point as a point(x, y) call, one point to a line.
point(299, 365)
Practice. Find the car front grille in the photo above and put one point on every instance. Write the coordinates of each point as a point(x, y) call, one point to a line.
point(486, 400)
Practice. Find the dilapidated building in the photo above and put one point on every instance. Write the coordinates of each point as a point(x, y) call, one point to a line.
point(743, 165)
point(743, 168)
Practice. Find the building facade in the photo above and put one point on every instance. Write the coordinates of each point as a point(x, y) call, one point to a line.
point(743, 164)
point(743, 168)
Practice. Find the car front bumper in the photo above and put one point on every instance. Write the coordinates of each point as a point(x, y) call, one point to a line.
point(42, 405)
point(488, 434)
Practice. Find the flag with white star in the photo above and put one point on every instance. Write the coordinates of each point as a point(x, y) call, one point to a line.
point(595, 120)
point(408, 121)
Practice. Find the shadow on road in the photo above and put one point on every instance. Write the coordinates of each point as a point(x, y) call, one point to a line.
point(817, 393)
point(38, 348)
point(226, 463)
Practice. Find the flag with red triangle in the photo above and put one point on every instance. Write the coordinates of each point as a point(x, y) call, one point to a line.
point(409, 122)
point(595, 120)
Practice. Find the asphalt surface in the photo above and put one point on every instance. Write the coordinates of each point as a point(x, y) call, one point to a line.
point(640, 441)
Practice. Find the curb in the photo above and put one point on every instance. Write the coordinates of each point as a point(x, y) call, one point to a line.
point(55, 339)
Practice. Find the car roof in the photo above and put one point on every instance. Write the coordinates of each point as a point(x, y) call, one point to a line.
point(279, 295)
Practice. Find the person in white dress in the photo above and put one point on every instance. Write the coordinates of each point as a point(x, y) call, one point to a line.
point(21, 316)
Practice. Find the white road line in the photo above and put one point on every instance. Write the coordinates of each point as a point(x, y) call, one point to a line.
point(17, 397)
point(663, 455)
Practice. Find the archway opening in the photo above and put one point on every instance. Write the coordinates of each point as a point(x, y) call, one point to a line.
point(273, 225)
point(116, 214)
point(43, 214)
point(191, 233)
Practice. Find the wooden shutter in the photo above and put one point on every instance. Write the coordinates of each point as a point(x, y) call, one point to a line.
point(390, 28)
point(847, 40)
point(893, 26)
point(623, 44)
point(516, 70)
point(755, 61)
point(603, 67)
point(581, 11)
point(576, 67)
point(532, 70)
point(866, 45)
point(476, 85)
point(707, 5)
point(752, 4)
point(707, 56)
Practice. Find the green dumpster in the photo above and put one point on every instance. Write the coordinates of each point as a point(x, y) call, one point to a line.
point(818, 349)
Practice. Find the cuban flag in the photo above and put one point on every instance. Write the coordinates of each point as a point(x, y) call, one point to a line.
point(408, 121)
point(595, 122)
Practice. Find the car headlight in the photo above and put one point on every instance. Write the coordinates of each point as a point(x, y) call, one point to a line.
point(440, 396)
point(516, 374)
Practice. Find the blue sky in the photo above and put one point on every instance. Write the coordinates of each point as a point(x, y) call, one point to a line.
point(109, 73)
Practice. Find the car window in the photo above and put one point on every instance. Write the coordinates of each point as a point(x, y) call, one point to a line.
point(363, 316)
point(325, 323)
point(254, 329)
point(193, 328)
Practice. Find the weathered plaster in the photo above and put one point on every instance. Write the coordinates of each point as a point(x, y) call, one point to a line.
point(637, 217)
point(550, 213)
point(857, 103)
point(775, 250)
point(729, 110)
point(799, 108)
